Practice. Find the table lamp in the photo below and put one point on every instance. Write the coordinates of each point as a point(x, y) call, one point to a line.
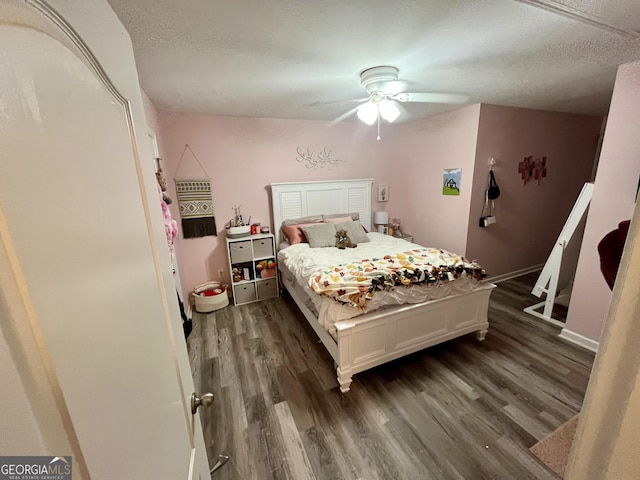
point(381, 219)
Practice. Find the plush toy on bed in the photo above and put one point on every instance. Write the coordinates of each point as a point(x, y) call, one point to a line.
point(343, 241)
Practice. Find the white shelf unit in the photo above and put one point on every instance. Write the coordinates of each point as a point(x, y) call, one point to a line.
point(248, 255)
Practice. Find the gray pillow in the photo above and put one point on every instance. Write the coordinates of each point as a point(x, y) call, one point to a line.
point(320, 235)
point(354, 230)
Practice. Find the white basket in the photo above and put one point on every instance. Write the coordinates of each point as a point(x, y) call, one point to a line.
point(239, 232)
point(211, 303)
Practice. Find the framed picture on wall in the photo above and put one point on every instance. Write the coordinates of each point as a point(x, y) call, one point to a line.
point(451, 181)
point(383, 193)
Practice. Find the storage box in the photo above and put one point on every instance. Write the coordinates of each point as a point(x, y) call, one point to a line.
point(241, 251)
point(263, 247)
point(267, 289)
point(244, 293)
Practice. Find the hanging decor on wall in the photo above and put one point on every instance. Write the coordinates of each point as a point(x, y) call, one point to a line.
point(320, 160)
point(383, 193)
point(451, 181)
point(162, 182)
point(195, 201)
point(530, 169)
point(170, 225)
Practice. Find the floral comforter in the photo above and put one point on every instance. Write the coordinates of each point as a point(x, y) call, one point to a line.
point(357, 282)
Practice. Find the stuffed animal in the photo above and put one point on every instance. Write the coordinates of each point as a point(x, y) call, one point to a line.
point(162, 182)
point(343, 241)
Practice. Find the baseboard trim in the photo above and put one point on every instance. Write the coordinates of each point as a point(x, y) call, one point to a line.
point(510, 275)
point(579, 340)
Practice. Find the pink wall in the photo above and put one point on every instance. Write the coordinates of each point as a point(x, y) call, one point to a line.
point(530, 217)
point(422, 149)
point(613, 200)
point(243, 156)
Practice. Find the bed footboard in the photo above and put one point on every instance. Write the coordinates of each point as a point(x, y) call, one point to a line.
point(373, 339)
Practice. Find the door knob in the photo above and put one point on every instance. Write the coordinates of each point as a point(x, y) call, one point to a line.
point(204, 401)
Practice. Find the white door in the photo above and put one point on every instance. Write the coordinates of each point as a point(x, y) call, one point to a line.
point(83, 276)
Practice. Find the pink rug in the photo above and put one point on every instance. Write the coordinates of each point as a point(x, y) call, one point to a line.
point(554, 449)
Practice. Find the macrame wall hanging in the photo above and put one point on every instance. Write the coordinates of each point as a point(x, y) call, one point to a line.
point(195, 201)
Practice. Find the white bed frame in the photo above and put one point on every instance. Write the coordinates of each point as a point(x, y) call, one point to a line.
point(375, 338)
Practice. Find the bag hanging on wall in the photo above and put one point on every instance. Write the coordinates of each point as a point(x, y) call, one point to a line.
point(488, 215)
point(493, 191)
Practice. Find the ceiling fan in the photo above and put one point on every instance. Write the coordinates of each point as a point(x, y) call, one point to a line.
point(385, 90)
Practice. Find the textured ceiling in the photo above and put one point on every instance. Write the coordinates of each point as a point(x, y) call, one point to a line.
point(295, 59)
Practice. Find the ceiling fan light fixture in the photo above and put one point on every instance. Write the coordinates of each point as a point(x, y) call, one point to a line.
point(389, 110)
point(368, 113)
point(387, 94)
point(375, 78)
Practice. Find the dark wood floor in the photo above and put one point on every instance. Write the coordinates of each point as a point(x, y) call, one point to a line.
point(461, 410)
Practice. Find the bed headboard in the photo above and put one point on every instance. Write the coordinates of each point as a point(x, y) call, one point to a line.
point(301, 199)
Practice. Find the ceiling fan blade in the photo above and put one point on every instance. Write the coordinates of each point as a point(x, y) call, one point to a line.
point(431, 97)
point(336, 102)
point(403, 111)
point(345, 115)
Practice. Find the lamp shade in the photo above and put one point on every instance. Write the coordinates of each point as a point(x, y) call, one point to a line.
point(380, 218)
point(388, 110)
point(368, 113)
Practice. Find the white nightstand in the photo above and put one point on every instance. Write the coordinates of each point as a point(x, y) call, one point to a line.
point(407, 237)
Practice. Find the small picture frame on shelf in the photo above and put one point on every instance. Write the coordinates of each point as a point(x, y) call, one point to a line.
point(383, 193)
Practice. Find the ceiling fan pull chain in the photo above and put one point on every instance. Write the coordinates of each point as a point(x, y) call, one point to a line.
point(378, 126)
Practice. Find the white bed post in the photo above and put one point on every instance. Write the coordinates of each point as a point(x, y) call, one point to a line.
point(551, 271)
point(344, 337)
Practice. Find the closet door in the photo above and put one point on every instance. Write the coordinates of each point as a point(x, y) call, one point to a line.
point(82, 285)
